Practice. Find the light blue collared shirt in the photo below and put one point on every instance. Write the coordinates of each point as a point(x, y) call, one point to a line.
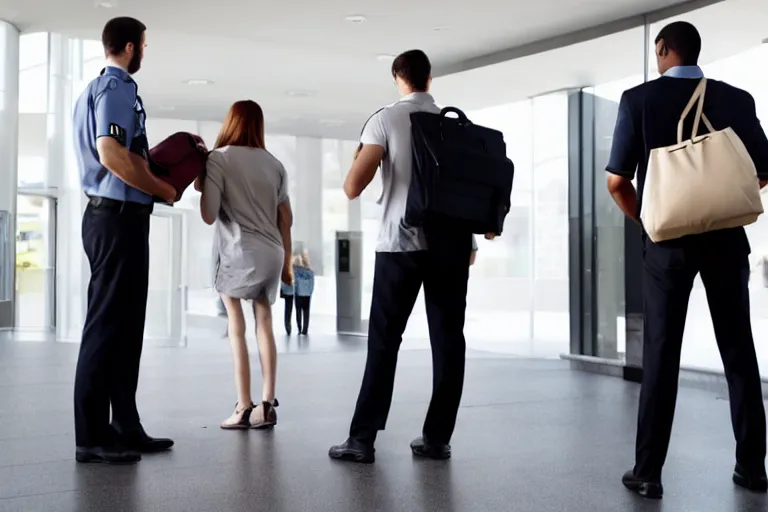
point(109, 107)
point(691, 72)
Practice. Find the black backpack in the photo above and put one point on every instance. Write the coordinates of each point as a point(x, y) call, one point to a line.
point(460, 171)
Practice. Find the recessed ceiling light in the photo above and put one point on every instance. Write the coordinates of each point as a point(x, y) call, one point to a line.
point(356, 18)
point(441, 29)
point(106, 4)
point(385, 57)
point(198, 82)
point(301, 94)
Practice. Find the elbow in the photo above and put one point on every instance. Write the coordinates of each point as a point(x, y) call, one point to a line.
point(209, 219)
point(109, 160)
point(352, 192)
point(616, 184)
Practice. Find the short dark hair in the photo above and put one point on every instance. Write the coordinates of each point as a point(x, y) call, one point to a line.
point(414, 67)
point(118, 32)
point(682, 38)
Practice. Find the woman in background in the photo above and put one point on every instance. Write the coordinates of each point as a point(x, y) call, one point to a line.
point(245, 192)
point(304, 286)
point(286, 293)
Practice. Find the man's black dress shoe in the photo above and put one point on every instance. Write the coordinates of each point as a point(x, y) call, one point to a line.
point(421, 447)
point(753, 481)
point(645, 488)
point(106, 455)
point(143, 443)
point(353, 451)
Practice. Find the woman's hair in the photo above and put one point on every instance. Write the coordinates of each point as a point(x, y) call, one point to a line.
point(244, 126)
point(301, 259)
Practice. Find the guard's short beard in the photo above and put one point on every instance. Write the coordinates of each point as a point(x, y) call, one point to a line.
point(135, 65)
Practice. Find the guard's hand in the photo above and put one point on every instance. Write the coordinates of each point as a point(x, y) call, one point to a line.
point(169, 194)
point(490, 236)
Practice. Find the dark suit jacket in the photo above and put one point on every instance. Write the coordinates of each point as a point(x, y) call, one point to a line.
point(648, 117)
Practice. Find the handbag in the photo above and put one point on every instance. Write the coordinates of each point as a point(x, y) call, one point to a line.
point(179, 160)
point(703, 184)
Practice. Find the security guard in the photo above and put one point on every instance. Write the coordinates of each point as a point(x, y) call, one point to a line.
point(111, 145)
point(648, 118)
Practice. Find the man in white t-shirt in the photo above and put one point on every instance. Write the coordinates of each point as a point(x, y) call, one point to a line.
point(437, 255)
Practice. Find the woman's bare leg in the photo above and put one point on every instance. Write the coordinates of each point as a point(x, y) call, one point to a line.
point(239, 351)
point(267, 349)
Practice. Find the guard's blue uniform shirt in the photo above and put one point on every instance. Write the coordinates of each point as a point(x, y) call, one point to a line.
point(109, 107)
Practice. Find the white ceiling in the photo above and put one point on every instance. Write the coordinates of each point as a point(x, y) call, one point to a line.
point(263, 50)
point(727, 28)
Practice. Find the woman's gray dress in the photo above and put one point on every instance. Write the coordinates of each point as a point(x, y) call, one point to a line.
point(244, 187)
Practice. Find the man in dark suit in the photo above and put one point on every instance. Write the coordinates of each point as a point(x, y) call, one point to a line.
point(647, 119)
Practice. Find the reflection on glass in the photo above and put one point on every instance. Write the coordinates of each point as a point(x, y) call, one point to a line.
point(5, 256)
point(34, 263)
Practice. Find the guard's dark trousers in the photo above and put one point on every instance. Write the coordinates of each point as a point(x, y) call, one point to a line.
point(721, 258)
point(116, 241)
point(398, 277)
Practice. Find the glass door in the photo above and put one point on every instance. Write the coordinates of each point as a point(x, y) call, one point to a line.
point(166, 321)
point(36, 263)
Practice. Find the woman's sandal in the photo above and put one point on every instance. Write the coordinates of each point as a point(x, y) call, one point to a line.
point(240, 419)
point(264, 415)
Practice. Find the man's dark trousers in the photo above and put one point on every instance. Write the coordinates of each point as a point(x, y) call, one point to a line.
point(116, 242)
point(721, 258)
point(398, 277)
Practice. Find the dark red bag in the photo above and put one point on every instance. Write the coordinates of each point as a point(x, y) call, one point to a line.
point(179, 160)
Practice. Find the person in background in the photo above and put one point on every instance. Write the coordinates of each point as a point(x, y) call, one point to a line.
point(304, 278)
point(648, 118)
point(245, 193)
point(473, 254)
point(286, 293)
point(111, 148)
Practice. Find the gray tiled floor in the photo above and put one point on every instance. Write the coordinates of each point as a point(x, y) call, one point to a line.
point(532, 436)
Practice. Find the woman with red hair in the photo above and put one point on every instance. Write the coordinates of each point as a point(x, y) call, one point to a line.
point(245, 193)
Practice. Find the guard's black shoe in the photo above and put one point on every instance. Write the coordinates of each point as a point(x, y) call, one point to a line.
point(106, 455)
point(645, 488)
point(421, 447)
point(753, 481)
point(353, 451)
point(143, 443)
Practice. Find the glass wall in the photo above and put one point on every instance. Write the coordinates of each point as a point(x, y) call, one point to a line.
point(733, 51)
point(35, 262)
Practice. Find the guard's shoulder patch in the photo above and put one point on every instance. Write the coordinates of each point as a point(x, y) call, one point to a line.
point(117, 132)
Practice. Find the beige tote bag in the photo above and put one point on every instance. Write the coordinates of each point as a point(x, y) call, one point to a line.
point(699, 185)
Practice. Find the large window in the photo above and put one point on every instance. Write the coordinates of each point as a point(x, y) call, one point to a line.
point(33, 73)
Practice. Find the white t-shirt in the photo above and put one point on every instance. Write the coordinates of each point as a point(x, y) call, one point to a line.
point(391, 129)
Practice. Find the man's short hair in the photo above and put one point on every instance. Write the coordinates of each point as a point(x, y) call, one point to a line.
point(414, 67)
point(118, 32)
point(682, 38)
